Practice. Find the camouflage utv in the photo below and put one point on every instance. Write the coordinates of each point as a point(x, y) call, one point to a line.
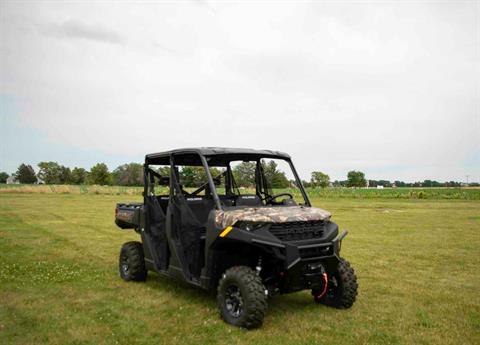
point(238, 221)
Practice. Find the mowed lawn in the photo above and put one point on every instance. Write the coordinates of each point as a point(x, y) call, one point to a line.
point(417, 263)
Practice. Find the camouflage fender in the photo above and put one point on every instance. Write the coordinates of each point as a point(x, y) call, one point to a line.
point(270, 215)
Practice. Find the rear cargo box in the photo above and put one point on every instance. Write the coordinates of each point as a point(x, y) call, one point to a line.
point(127, 216)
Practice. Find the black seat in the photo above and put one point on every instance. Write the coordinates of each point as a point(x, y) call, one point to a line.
point(201, 207)
point(163, 201)
point(227, 200)
point(248, 200)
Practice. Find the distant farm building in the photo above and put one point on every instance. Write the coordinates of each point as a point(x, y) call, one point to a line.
point(12, 180)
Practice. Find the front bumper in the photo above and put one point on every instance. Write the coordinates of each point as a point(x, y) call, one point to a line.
point(305, 264)
point(297, 265)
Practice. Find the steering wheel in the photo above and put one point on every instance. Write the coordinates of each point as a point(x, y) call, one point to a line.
point(269, 199)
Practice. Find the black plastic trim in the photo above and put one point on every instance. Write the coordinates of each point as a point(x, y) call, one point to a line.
point(268, 243)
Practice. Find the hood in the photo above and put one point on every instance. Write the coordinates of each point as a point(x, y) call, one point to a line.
point(270, 215)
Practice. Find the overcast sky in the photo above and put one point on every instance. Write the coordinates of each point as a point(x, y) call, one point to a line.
point(389, 88)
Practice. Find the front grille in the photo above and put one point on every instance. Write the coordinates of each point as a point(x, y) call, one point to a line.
point(298, 231)
point(315, 252)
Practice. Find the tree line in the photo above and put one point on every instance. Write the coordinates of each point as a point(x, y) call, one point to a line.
point(131, 174)
point(357, 179)
point(53, 173)
point(319, 179)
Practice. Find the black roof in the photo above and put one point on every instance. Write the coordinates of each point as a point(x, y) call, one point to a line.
point(231, 153)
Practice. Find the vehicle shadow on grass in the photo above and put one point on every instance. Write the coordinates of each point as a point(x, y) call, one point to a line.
point(181, 289)
point(207, 298)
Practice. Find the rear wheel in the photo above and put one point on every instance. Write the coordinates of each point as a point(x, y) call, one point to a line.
point(241, 297)
point(342, 287)
point(132, 263)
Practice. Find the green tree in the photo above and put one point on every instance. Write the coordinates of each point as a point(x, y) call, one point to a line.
point(320, 179)
point(306, 184)
point(338, 183)
point(356, 179)
point(50, 172)
point(164, 171)
point(65, 175)
point(100, 175)
point(25, 174)
point(215, 171)
point(244, 174)
point(128, 175)
point(201, 174)
point(188, 176)
point(79, 176)
point(3, 177)
point(275, 177)
point(384, 183)
point(431, 183)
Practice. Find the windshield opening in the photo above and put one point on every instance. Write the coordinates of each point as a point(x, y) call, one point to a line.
point(257, 182)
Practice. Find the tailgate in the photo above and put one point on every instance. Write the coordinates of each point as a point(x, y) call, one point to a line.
point(127, 216)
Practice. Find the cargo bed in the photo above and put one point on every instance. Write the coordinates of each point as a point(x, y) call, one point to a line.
point(127, 216)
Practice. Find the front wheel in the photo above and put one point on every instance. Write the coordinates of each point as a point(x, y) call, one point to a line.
point(342, 287)
point(242, 298)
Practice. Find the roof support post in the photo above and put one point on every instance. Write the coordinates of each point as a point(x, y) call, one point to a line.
point(213, 189)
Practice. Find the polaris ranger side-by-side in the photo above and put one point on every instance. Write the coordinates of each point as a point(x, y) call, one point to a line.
point(210, 217)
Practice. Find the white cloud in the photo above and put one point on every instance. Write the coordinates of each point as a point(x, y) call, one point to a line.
point(391, 89)
point(82, 30)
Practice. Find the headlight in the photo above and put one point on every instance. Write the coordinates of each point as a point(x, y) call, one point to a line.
point(249, 226)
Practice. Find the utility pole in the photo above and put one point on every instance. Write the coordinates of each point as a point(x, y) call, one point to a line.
point(467, 179)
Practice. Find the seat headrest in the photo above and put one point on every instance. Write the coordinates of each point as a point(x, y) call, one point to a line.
point(248, 200)
point(194, 199)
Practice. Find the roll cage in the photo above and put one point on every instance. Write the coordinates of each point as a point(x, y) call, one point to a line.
point(214, 157)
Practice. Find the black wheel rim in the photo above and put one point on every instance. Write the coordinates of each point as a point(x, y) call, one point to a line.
point(234, 301)
point(124, 266)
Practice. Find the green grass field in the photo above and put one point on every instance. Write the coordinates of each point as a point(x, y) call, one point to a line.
point(469, 193)
point(417, 263)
